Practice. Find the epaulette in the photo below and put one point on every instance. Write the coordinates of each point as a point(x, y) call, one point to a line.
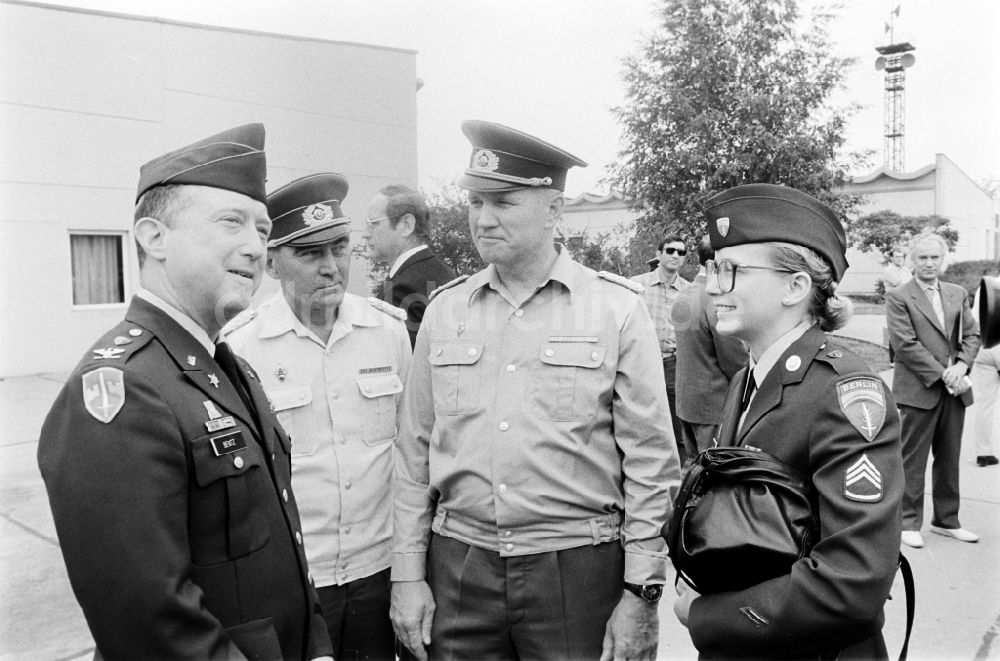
point(448, 285)
point(116, 346)
point(621, 280)
point(238, 322)
point(842, 360)
point(390, 310)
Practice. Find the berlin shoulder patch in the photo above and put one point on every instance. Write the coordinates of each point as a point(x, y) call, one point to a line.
point(104, 392)
point(863, 481)
point(862, 399)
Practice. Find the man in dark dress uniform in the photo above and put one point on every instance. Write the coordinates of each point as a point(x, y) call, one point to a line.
point(167, 473)
point(397, 232)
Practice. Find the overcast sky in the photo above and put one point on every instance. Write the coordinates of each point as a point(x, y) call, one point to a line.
point(553, 68)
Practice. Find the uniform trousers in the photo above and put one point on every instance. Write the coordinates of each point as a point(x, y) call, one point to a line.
point(936, 431)
point(986, 387)
point(670, 376)
point(552, 605)
point(357, 617)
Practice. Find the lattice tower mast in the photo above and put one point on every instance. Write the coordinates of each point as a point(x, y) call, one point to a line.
point(895, 59)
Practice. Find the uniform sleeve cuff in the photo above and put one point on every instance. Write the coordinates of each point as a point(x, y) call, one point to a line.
point(409, 566)
point(644, 568)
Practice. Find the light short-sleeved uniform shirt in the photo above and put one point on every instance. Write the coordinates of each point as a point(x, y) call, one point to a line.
point(536, 427)
point(339, 402)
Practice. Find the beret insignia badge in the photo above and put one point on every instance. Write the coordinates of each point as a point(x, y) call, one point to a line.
point(486, 160)
point(723, 225)
point(863, 402)
point(316, 214)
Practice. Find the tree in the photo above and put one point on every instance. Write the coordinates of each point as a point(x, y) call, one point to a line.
point(729, 92)
point(885, 230)
point(450, 235)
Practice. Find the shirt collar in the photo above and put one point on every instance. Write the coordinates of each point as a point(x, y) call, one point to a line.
point(185, 322)
point(403, 257)
point(771, 355)
point(277, 318)
point(934, 286)
point(564, 271)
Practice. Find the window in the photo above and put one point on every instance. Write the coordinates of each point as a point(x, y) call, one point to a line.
point(98, 269)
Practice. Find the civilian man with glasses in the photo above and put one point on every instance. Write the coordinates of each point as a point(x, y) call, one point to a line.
point(661, 287)
point(397, 230)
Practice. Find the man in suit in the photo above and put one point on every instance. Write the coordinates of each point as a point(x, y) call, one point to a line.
point(167, 473)
point(397, 232)
point(706, 361)
point(935, 339)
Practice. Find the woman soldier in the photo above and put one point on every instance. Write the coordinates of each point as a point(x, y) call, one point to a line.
point(779, 255)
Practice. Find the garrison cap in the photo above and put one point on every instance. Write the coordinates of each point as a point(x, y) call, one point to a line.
point(505, 159)
point(755, 213)
point(232, 160)
point(306, 212)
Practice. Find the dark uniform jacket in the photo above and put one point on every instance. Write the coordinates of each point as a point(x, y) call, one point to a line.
point(823, 411)
point(706, 359)
point(411, 287)
point(180, 542)
point(923, 348)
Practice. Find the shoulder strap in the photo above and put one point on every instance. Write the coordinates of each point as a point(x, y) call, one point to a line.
point(911, 602)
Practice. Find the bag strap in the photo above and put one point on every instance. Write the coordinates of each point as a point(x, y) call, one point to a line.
point(911, 601)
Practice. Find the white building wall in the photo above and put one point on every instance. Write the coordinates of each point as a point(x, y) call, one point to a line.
point(970, 210)
point(87, 97)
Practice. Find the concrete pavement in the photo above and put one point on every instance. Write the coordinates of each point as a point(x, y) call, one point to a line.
point(957, 614)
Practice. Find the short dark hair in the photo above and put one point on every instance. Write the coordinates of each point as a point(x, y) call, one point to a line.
point(401, 200)
point(160, 202)
point(669, 239)
point(705, 251)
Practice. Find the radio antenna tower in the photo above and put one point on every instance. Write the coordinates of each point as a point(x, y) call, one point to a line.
point(894, 59)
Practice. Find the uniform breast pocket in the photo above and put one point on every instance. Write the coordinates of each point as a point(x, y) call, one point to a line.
point(569, 380)
point(291, 405)
point(379, 394)
point(455, 375)
point(228, 511)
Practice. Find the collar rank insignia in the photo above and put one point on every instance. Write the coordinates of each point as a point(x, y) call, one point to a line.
point(862, 400)
point(104, 393)
point(863, 481)
point(108, 353)
point(723, 225)
point(317, 213)
point(191, 360)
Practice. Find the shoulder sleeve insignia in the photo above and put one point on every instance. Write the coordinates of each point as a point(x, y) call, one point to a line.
point(104, 392)
point(862, 399)
point(448, 285)
point(237, 322)
point(620, 280)
point(390, 310)
point(863, 481)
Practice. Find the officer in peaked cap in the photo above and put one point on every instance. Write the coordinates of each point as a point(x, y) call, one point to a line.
point(815, 406)
point(167, 472)
point(534, 444)
point(333, 365)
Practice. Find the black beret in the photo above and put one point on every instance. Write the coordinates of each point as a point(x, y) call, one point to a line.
point(755, 213)
point(306, 212)
point(233, 160)
point(505, 159)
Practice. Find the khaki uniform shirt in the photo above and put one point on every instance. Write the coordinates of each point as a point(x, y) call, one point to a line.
point(339, 404)
point(537, 427)
point(659, 298)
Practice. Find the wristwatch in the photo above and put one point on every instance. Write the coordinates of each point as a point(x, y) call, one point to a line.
point(649, 593)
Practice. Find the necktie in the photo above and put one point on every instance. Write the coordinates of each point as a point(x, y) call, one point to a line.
point(934, 294)
point(748, 391)
point(224, 357)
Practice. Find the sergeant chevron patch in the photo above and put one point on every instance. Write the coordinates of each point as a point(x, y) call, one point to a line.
point(862, 400)
point(863, 481)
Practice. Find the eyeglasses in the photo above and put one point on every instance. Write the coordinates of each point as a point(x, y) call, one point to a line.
point(376, 221)
point(680, 251)
point(725, 273)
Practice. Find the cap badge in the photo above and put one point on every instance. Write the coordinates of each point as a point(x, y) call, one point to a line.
point(104, 393)
point(723, 225)
point(484, 159)
point(317, 213)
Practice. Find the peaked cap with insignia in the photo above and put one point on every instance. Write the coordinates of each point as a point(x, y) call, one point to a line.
point(232, 160)
point(306, 212)
point(505, 159)
point(755, 213)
